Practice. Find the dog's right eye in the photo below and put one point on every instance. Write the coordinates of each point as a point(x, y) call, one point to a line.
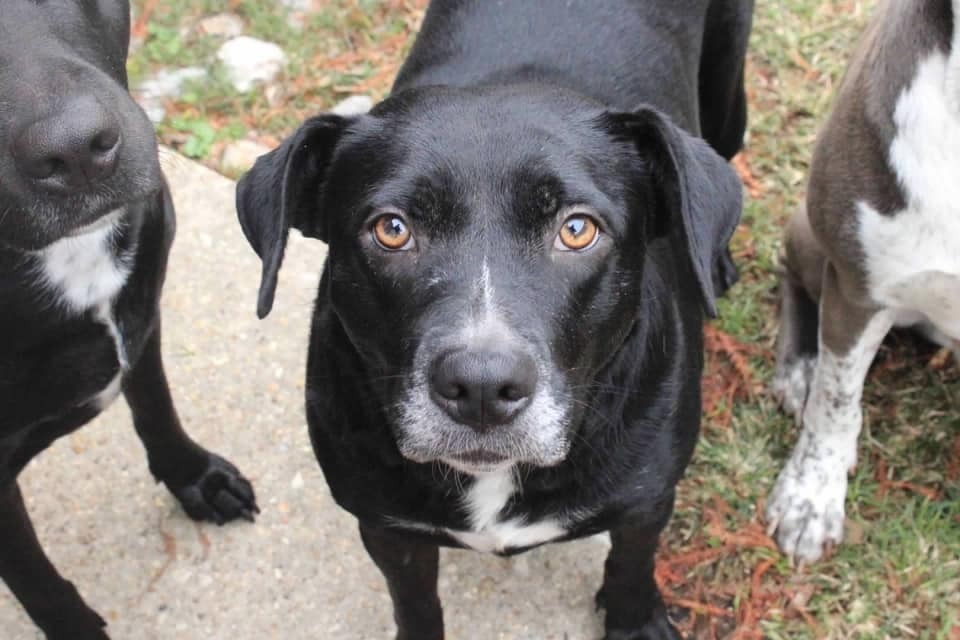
point(392, 233)
point(578, 233)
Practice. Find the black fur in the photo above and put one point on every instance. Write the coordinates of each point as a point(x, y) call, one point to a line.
point(53, 361)
point(505, 116)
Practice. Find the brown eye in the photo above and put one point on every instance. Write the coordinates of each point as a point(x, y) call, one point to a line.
point(578, 232)
point(392, 233)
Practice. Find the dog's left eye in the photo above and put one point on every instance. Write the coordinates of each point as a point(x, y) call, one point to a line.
point(578, 233)
point(392, 233)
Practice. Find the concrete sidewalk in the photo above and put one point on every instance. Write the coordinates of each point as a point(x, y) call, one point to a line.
point(298, 573)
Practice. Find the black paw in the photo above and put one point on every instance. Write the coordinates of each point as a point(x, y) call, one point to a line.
point(220, 493)
point(78, 622)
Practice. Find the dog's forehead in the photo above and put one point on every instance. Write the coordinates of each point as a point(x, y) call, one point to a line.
point(459, 141)
point(497, 123)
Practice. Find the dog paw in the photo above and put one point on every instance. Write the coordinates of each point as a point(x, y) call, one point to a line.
point(805, 508)
point(219, 494)
point(791, 385)
point(70, 618)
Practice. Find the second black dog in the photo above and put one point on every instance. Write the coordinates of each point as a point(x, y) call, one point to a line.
point(507, 342)
point(86, 224)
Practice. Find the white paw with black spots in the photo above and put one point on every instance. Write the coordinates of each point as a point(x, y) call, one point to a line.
point(791, 385)
point(805, 510)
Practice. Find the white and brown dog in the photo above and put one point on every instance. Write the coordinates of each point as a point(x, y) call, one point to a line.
point(877, 246)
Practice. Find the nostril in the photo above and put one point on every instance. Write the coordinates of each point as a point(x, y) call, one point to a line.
point(45, 168)
point(73, 148)
point(452, 391)
point(512, 393)
point(105, 141)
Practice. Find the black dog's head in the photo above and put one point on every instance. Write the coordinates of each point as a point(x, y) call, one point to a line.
point(73, 143)
point(486, 252)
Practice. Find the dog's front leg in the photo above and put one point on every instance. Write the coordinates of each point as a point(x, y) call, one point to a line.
point(805, 508)
point(410, 568)
point(635, 610)
point(208, 487)
point(51, 601)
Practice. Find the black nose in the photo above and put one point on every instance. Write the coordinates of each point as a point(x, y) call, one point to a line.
point(73, 149)
point(483, 389)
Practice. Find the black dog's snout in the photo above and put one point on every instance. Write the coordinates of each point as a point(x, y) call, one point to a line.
point(483, 389)
point(74, 148)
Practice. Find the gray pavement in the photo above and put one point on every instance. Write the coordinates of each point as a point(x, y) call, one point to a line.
point(300, 571)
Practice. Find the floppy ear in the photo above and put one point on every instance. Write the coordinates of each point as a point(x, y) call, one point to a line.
point(702, 193)
point(282, 190)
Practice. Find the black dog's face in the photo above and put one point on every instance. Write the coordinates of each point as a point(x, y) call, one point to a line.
point(482, 260)
point(73, 143)
point(487, 249)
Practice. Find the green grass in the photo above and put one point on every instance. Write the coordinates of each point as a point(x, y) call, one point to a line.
point(898, 575)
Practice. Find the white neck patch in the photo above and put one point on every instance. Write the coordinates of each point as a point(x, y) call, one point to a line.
point(82, 271)
point(487, 497)
point(485, 501)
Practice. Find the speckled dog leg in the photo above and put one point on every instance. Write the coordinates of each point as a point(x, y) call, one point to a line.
point(797, 340)
point(806, 507)
point(791, 384)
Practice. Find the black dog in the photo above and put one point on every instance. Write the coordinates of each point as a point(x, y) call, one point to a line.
point(86, 224)
point(507, 342)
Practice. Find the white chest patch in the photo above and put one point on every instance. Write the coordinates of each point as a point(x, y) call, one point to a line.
point(83, 273)
point(913, 257)
point(484, 501)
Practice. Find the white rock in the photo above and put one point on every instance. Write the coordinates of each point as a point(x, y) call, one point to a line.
point(165, 84)
point(240, 155)
point(222, 25)
point(249, 61)
point(353, 106)
point(169, 84)
point(155, 111)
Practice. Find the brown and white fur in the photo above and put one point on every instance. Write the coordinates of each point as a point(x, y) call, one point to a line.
point(877, 246)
